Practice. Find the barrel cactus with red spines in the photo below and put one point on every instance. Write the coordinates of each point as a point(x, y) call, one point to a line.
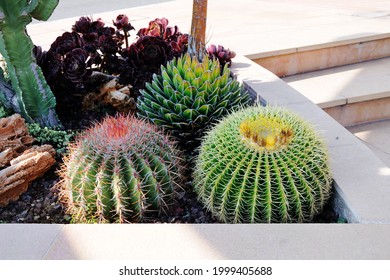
point(120, 170)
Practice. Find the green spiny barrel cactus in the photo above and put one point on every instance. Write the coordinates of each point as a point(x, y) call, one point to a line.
point(263, 165)
point(35, 101)
point(189, 95)
point(121, 170)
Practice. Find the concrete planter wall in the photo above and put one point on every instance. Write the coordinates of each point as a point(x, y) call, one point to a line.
point(362, 194)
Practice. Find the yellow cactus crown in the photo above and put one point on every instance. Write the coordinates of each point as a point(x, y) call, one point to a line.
point(265, 133)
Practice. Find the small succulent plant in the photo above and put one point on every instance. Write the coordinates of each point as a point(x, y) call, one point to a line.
point(3, 111)
point(159, 28)
point(156, 45)
point(190, 95)
point(92, 46)
point(121, 170)
point(262, 165)
point(57, 138)
point(122, 23)
point(149, 53)
point(223, 55)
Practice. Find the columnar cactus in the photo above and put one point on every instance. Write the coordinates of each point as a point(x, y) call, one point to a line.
point(189, 95)
point(35, 101)
point(262, 165)
point(121, 170)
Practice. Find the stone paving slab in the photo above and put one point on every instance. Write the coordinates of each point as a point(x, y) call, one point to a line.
point(376, 136)
point(255, 27)
point(26, 242)
point(219, 241)
point(195, 242)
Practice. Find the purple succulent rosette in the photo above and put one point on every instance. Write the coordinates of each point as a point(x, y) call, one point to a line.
point(223, 55)
point(75, 65)
point(159, 28)
point(93, 46)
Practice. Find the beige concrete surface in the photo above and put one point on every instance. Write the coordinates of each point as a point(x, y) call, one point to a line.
point(350, 84)
point(26, 242)
point(219, 241)
point(253, 27)
point(377, 137)
point(354, 94)
point(194, 242)
point(357, 113)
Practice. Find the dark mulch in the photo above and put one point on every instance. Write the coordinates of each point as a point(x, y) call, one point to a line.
point(39, 204)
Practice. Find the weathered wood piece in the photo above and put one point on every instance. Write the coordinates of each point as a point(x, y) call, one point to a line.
point(111, 92)
point(20, 162)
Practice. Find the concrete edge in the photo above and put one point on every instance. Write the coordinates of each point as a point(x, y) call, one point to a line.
point(352, 40)
point(332, 103)
point(343, 100)
point(336, 43)
point(199, 242)
point(368, 97)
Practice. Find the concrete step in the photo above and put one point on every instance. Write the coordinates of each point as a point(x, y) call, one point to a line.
point(337, 52)
point(352, 94)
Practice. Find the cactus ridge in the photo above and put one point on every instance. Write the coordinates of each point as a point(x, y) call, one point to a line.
point(35, 100)
point(188, 95)
point(285, 178)
point(121, 170)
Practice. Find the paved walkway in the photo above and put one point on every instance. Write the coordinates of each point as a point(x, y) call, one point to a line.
point(250, 27)
point(72, 8)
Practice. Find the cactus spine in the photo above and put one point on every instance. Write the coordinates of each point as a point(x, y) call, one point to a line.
point(262, 165)
point(121, 170)
point(35, 101)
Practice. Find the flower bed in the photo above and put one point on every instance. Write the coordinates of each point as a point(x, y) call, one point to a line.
point(95, 72)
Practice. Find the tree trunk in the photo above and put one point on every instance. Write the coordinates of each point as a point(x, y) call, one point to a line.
point(197, 41)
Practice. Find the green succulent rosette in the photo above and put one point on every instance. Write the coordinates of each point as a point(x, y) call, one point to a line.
point(190, 95)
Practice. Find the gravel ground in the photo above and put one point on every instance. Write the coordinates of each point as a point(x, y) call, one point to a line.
point(39, 204)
